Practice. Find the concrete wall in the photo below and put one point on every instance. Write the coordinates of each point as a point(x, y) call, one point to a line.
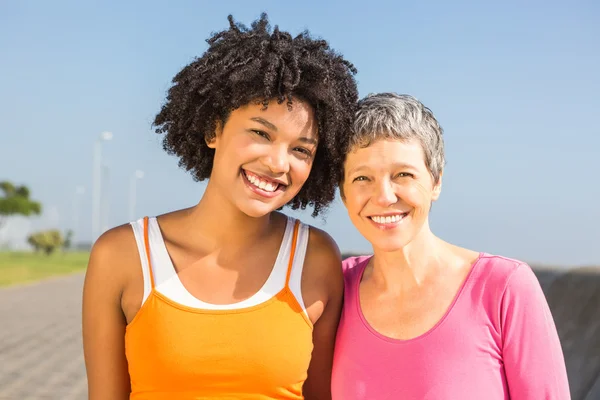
point(574, 298)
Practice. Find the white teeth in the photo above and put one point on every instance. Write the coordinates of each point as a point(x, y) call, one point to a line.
point(388, 219)
point(263, 185)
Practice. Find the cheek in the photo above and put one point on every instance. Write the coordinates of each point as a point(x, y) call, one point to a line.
point(300, 170)
point(416, 195)
point(355, 201)
point(245, 147)
point(234, 149)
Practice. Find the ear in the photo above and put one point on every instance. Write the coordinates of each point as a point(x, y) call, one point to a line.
point(437, 188)
point(212, 142)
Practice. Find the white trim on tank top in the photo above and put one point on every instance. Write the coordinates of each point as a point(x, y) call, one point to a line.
point(167, 281)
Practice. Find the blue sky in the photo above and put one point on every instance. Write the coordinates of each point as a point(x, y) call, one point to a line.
point(515, 87)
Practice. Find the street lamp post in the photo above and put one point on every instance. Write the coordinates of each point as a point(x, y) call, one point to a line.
point(97, 183)
point(138, 174)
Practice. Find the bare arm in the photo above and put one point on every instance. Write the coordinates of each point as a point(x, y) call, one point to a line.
point(324, 260)
point(103, 319)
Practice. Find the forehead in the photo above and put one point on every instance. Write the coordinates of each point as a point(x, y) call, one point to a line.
point(386, 152)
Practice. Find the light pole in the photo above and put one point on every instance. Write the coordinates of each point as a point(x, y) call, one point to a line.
point(79, 191)
point(138, 174)
point(97, 183)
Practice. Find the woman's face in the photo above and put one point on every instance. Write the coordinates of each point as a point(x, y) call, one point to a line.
point(388, 191)
point(263, 157)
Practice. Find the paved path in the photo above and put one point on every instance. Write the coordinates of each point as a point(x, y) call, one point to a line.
point(41, 355)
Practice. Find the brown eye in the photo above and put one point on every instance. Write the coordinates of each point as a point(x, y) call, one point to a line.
point(306, 153)
point(261, 133)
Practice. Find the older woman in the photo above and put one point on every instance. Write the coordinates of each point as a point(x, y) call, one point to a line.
point(425, 319)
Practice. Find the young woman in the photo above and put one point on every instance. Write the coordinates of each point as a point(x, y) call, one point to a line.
point(229, 298)
point(422, 318)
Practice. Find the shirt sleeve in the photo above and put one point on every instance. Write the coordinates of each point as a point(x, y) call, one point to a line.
point(532, 354)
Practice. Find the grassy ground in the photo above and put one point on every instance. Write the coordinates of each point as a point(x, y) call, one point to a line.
point(19, 267)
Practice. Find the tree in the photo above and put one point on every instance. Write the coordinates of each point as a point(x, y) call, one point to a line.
point(16, 201)
point(46, 241)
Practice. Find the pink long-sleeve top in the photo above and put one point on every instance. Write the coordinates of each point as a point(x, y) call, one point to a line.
point(497, 341)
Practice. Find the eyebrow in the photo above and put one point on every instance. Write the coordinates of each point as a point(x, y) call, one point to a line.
point(399, 165)
point(357, 169)
point(402, 165)
point(308, 140)
point(264, 122)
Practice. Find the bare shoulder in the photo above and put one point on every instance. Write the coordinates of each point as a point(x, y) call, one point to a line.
point(322, 279)
point(116, 239)
point(114, 258)
point(323, 253)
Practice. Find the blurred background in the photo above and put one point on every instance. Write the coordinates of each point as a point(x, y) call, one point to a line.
point(514, 85)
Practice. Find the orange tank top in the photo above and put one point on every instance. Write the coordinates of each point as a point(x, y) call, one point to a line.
point(179, 352)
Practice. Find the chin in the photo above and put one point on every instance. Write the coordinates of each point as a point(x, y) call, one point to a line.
point(390, 244)
point(258, 210)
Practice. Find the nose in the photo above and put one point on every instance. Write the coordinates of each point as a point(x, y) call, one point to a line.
point(277, 160)
point(384, 195)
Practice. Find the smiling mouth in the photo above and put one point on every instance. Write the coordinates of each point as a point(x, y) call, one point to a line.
point(388, 220)
point(261, 184)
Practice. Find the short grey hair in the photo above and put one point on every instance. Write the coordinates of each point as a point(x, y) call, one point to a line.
point(400, 117)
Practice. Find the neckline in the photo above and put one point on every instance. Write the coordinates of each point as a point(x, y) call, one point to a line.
point(457, 296)
point(219, 311)
point(245, 304)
